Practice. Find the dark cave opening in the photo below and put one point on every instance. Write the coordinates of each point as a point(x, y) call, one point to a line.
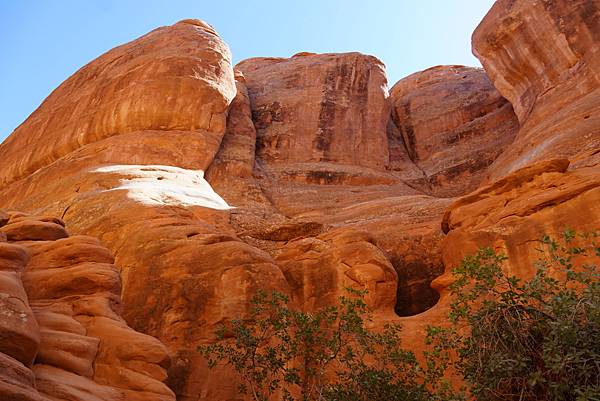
point(415, 294)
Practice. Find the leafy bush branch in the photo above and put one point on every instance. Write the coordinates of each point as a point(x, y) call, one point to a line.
point(535, 339)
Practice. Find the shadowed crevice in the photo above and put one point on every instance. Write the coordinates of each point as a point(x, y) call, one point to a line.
point(415, 294)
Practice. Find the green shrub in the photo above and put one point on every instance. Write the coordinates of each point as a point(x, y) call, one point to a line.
point(536, 339)
point(326, 355)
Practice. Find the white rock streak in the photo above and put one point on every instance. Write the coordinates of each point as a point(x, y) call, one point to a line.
point(166, 185)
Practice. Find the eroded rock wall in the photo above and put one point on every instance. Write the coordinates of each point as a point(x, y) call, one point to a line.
point(544, 57)
point(134, 179)
point(316, 180)
point(63, 337)
point(454, 124)
point(319, 108)
point(191, 257)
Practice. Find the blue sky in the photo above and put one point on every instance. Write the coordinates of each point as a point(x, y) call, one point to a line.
point(43, 42)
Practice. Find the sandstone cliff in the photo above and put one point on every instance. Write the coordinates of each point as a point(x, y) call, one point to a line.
point(454, 124)
point(208, 182)
point(544, 58)
point(62, 335)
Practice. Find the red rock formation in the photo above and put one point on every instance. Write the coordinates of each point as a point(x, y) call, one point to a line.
point(544, 58)
point(175, 79)
point(319, 270)
point(19, 332)
point(514, 212)
point(319, 108)
point(511, 215)
point(454, 124)
point(62, 335)
point(310, 188)
point(160, 218)
point(188, 262)
point(235, 158)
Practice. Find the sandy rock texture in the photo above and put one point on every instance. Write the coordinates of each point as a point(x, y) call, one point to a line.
point(63, 337)
point(175, 79)
point(454, 124)
point(319, 108)
point(19, 331)
point(543, 198)
point(207, 182)
point(544, 57)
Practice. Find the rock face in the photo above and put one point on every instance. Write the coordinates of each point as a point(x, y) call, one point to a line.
point(544, 57)
point(19, 331)
point(319, 108)
point(454, 124)
point(235, 158)
point(536, 200)
point(189, 261)
point(62, 334)
point(512, 215)
point(316, 180)
point(175, 79)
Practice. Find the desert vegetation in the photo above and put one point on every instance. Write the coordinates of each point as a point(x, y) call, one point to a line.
point(505, 338)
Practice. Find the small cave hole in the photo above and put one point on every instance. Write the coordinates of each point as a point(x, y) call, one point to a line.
point(160, 178)
point(414, 294)
point(586, 117)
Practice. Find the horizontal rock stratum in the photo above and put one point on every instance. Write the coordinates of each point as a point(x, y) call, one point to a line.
point(158, 188)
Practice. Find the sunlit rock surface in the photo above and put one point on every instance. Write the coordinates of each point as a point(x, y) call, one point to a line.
point(303, 175)
point(544, 57)
point(62, 334)
point(454, 124)
point(175, 78)
point(165, 185)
